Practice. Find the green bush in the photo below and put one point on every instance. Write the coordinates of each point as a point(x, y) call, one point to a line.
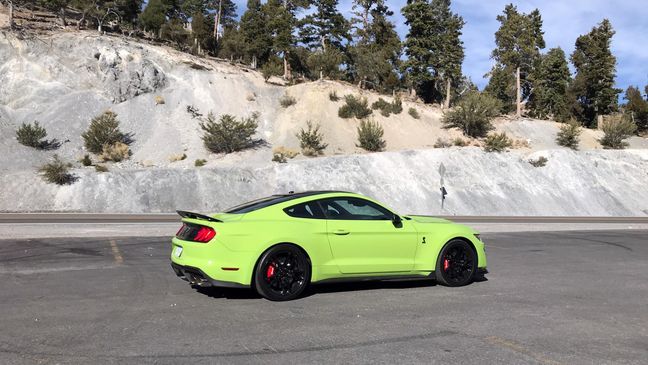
point(357, 107)
point(287, 100)
point(104, 131)
point(617, 129)
point(311, 140)
point(473, 114)
point(86, 160)
point(57, 172)
point(228, 134)
point(200, 162)
point(370, 135)
point(387, 108)
point(497, 142)
point(540, 162)
point(569, 135)
point(31, 135)
point(271, 68)
point(414, 113)
point(333, 96)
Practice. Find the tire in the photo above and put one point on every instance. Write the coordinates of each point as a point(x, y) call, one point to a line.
point(457, 264)
point(282, 273)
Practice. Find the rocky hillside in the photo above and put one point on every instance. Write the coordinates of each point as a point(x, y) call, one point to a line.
point(62, 80)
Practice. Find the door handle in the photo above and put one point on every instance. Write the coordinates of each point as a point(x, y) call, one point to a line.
point(341, 232)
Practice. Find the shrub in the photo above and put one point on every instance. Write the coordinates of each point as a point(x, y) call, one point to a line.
point(357, 107)
point(271, 68)
point(442, 143)
point(193, 111)
point(370, 135)
point(414, 113)
point(387, 108)
point(617, 128)
point(31, 135)
point(459, 142)
point(282, 154)
point(104, 130)
point(178, 157)
point(540, 162)
point(333, 96)
point(497, 142)
point(310, 140)
point(101, 168)
point(200, 162)
point(228, 134)
point(287, 100)
point(115, 152)
point(57, 172)
point(473, 114)
point(569, 135)
point(86, 160)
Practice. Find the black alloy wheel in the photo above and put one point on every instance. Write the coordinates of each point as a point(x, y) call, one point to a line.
point(457, 264)
point(282, 273)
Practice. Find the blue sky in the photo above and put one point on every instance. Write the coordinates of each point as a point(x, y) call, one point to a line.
point(564, 21)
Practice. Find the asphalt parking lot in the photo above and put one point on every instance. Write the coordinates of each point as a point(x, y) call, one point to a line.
point(550, 298)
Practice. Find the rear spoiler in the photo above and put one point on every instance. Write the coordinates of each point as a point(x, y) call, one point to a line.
point(192, 215)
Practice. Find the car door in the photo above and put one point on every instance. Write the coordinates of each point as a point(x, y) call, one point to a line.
point(364, 239)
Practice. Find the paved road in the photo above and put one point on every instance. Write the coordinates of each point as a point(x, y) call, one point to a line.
point(551, 298)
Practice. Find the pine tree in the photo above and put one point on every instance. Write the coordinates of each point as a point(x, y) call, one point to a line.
point(325, 26)
point(548, 98)
point(434, 40)
point(636, 108)
point(224, 16)
point(281, 24)
point(257, 42)
point(519, 41)
point(375, 54)
point(201, 33)
point(153, 16)
point(595, 72)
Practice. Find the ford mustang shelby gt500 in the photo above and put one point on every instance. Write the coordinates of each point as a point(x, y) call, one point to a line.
point(280, 244)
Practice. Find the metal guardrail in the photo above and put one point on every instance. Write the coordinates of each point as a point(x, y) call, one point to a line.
point(97, 218)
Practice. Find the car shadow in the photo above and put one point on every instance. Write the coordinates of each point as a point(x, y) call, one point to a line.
point(322, 288)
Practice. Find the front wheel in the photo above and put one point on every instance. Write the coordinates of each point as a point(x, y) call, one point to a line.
point(282, 273)
point(457, 264)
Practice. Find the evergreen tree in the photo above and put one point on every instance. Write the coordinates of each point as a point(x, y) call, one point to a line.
point(281, 23)
point(201, 33)
point(326, 26)
point(154, 16)
point(255, 35)
point(548, 98)
point(595, 72)
point(519, 41)
point(418, 47)
point(224, 16)
point(637, 108)
point(434, 48)
point(377, 47)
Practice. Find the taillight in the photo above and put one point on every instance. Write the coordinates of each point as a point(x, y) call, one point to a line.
point(195, 233)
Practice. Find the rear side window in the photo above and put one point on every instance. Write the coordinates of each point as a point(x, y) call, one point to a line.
point(305, 210)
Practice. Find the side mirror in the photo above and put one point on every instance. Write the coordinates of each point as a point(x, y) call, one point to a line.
point(397, 220)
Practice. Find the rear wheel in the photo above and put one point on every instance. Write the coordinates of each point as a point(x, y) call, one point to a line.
point(457, 264)
point(282, 273)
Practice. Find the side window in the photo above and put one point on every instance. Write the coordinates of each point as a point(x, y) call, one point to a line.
point(305, 210)
point(354, 209)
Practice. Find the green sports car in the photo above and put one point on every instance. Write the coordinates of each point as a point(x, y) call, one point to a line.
point(282, 243)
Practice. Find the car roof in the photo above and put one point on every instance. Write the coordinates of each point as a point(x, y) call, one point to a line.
point(279, 198)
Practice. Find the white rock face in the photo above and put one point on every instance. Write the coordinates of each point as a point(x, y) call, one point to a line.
point(595, 183)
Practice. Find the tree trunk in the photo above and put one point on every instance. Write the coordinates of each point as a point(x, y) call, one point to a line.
point(599, 121)
point(447, 100)
point(287, 73)
point(218, 19)
point(63, 17)
point(518, 95)
point(321, 74)
point(83, 16)
point(11, 22)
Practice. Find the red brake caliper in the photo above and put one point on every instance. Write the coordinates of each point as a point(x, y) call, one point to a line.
point(446, 264)
point(270, 271)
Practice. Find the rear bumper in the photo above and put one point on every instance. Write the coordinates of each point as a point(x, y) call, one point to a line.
point(197, 277)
